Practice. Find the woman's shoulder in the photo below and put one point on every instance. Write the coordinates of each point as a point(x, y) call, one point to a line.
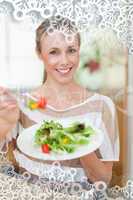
point(105, 98)
point(108, 103)
point(99, 96)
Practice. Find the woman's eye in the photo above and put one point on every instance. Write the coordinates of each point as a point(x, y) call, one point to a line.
point(53, 52)
point(72, 50)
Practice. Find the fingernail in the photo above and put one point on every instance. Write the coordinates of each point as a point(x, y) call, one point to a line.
point(12, 106)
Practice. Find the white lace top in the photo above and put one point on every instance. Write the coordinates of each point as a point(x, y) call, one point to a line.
point(98, 109)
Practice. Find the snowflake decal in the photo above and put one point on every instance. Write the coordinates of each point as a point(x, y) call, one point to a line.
point(25, 186)
point(114, 14)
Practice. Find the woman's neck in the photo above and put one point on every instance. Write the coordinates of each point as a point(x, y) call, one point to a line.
point(59, 89)
point(63, 95)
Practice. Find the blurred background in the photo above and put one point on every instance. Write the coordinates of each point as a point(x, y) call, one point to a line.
point(103, 68)
point(102, 65)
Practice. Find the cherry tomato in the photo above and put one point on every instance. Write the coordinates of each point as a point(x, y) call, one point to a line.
point(42, 103)
point(45, 148)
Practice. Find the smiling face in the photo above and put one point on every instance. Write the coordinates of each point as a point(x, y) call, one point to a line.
point(60, 57)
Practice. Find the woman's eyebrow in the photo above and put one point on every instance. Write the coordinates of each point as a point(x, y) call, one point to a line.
point(56, 48)
point(72, 46)
point(53, 48)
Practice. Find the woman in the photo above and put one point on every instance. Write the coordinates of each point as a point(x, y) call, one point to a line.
point(59, 50)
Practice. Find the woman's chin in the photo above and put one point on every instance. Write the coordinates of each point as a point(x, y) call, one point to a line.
point(67, 81)
point(64, 80)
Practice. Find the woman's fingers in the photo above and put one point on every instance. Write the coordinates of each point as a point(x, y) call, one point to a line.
point(4, 104)
point(7, 102)
point(12, 107)
point(6, 96)
point(3, 90)
point(9, 110)
point(9, 113)
point(6, 107)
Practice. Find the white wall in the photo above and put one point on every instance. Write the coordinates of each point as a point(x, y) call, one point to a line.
point(19, 64)
point(3, 62)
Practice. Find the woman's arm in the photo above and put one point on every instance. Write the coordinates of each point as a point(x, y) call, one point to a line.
point(97, 170)
point(9, 112)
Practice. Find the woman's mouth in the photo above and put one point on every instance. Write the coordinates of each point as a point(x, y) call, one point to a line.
point(64, 71)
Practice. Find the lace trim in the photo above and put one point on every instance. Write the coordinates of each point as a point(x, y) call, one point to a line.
point(38, 116)
point(74, 106)
point(67, 109)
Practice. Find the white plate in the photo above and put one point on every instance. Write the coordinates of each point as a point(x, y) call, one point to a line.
point(25, 143)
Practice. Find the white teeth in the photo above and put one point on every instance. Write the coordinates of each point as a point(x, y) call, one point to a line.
point(63, 71)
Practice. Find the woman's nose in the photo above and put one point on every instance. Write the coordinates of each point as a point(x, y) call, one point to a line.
point(64, 59)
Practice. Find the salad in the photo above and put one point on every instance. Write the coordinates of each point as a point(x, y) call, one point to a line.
point(32, 104)
point(52, 136)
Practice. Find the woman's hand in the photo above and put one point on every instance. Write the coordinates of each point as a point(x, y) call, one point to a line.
point(95, 169)
point(9, 112)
